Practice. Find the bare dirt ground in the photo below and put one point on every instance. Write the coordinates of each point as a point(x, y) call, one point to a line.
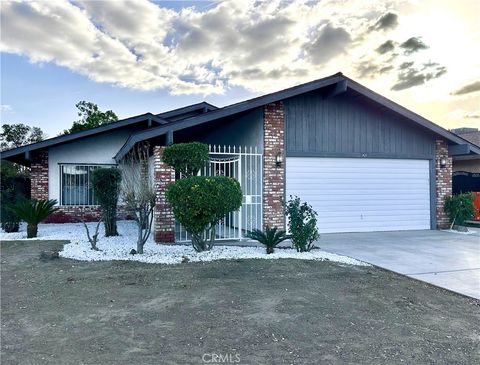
point(245, 312)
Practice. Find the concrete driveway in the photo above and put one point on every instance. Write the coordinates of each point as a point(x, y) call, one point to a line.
point(445, 259)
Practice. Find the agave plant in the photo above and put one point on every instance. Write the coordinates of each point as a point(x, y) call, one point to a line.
point(33, 212)
point(270, 238)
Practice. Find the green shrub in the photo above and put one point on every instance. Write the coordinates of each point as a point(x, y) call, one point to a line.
point(200, 202)
point(33, 212)
point(270, 238)
point(302, 222)
point(106, 187)
point(10, 221)
point(186, 158)
point(14, 186)
point(459, 208)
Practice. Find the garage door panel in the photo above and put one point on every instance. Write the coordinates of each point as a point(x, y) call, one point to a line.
point(334, 177)
point(371, 213)
point(363, 198)
point(366, 162)
point(363, 195)
point(347, 170)
point(383, 184)
point(379, 218)
point(356, 195)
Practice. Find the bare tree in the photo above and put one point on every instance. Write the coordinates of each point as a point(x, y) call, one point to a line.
point(138, 192)
point(93, 239)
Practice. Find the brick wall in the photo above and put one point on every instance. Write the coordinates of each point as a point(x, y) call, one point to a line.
point(39, 175)
point(273, 175)
point(88, 213)
point(443, 180)
point(164, 224)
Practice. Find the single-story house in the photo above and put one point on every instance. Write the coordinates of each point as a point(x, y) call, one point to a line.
point(468, 163)
point(466, 169)
point(362, 161)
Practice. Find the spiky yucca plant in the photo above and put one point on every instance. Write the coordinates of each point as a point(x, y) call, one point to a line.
point(33, 212)
point(270, 238)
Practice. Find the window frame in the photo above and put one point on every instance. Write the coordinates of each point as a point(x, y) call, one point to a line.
point(60, 177)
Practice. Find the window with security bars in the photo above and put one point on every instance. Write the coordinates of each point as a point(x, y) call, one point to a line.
point(75, 184)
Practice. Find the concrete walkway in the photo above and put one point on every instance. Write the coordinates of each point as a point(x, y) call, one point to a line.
point(445, 259)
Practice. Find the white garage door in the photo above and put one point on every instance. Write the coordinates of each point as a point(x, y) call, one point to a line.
point(362, 195)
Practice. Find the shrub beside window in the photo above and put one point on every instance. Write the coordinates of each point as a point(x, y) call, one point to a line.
point(459, 208)
point(302, 223)
point(106, 187)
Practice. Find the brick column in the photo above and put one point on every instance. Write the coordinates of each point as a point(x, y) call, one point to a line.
point(39, 175)
point(273, 175)
point(164, 225)
point(443, 181)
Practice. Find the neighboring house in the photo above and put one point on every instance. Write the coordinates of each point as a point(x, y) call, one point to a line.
point(467, 163)
point(363, 162)
point(466, 169)
point(470, 134)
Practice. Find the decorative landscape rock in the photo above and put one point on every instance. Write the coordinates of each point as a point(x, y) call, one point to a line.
point(119, 248)
point(460, 228)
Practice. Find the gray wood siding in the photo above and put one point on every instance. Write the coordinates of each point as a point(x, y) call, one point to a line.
point(349, 126)
point(246, 130)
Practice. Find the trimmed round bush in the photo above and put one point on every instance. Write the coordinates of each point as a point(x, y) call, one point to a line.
point(186, 158)
point(200, 202)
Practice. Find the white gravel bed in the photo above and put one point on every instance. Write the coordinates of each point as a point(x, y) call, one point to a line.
point(118, 248)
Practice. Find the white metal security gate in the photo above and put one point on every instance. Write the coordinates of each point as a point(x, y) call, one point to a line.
point(245, 165)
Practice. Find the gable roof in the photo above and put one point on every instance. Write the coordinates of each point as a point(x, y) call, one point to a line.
point(336, 79)
point(181, 113)
point(197, 114)
point(147, 117)
point(159, 119)
point(470, 134)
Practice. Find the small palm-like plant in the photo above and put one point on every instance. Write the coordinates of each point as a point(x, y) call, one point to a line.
point(270, 238)
point(33, 212)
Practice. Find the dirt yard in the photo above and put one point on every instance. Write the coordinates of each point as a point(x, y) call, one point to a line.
point(245, 312)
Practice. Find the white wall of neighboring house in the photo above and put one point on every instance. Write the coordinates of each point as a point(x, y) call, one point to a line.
point(472, 165)
point(99, 149)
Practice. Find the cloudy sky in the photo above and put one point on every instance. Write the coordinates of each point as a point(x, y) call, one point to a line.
point(139, 56)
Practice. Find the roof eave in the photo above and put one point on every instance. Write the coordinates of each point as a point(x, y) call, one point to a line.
point(228, 111)
point(82, 134)
point(291, 92)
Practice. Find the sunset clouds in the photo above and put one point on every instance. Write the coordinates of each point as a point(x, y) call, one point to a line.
point(260, 46)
